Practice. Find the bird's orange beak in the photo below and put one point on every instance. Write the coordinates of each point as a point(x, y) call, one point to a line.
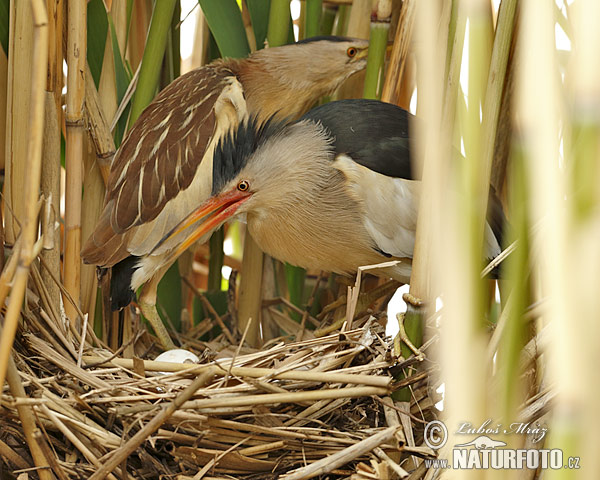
point(209, 216)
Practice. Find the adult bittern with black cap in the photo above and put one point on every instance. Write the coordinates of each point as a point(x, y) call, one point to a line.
point(164, 166)
point(332, 191)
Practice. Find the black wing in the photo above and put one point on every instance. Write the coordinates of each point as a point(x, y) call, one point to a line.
point(374, 134)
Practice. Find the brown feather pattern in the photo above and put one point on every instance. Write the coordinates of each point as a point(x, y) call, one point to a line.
point(162, 151)
point(160, 157)
point(157, 159)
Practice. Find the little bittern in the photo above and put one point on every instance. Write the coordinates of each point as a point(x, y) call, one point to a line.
point(163, 168)
point(332, 191)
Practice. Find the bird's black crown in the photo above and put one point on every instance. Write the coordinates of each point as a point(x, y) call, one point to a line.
point(235, 149)
point(329, 38)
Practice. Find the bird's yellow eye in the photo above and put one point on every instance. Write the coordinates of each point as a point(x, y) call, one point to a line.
point(243, 186)
point(351, 52)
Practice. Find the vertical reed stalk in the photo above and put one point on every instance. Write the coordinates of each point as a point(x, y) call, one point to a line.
point(432, 148)
point(27, 416)
point(380, 28)
point(153, 56)
point(392, 87)
point(578, 416)
point(17, 115)
point(359, 25)
point(51, 191)
point(250, 298)
point(312, 22)
point(279, 23)
point(50, 182)
point(31, 183)
point(76, 61)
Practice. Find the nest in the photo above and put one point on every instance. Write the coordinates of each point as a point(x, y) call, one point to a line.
point(320, 407)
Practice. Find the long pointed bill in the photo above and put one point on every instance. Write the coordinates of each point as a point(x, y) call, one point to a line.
point(208, 217)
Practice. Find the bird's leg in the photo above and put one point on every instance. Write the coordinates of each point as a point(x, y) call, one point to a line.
point(147, 303)
point(403, 337)
point(414, 306)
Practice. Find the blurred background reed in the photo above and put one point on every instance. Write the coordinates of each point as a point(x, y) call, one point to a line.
point(509, 94)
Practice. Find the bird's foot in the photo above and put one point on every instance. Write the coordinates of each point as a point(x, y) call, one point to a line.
point(413, 301)
point(149, 311)
point(403, 337)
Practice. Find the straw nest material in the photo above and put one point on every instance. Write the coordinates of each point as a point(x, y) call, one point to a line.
point(319, 407)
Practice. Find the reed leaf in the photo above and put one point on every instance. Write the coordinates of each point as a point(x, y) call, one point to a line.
point(259, 14)
point(225, 21)
point(97, 28)
point(122, 80)
point(153, 56)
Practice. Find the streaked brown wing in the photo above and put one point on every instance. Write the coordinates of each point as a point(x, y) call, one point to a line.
point(162, 151)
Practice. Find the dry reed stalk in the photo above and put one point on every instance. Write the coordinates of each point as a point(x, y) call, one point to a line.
point(250, 294)
point(55, 467)
point(50, 186)
point(27, 421)
point(20, 52)
point(392, 88)
point(31, 182)
point(327, 464)
point(223, 368)
point(97, 125)
point(292, 397)
point(127, 449)
point(359, 26)
point(201, 42)
point(496, 96)
point(85, 451)
point(92, 203)
point(75, 128)
point(3, 92)
point(7, 453)
point(8, 272)
point(68, 365)
point(140, 21)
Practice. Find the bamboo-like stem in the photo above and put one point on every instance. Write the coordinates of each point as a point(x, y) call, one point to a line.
point(154, 424)
point(153, 56)
point(17, 113)
point(312, 21)
point(432, 145)
point(31, 183)
point(288, 397)
point(570, 226)
point(250, 298)
point(50, 185)
point(279, 23)
point(359, 23)
point(3, 119)
point(224, 367)
point(27, 421)
point(76, 54)
point(380, 27)
point(392, 87)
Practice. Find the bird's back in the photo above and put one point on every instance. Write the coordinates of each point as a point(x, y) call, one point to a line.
point(157, 161)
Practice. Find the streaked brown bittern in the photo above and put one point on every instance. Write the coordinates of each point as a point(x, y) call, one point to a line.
point(332, 191)
point(163, 168)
